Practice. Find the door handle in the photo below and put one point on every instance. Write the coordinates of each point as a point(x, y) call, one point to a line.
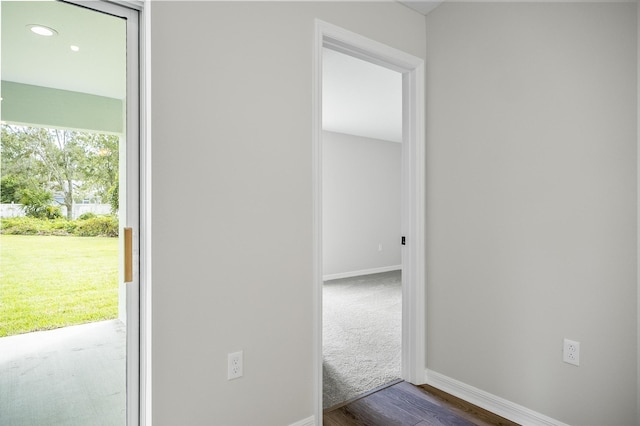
point(128, 255)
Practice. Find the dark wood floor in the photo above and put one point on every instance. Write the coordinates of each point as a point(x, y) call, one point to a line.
point(404, 404)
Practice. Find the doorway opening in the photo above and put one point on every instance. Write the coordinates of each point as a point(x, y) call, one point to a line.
point(69, 324)
point(412, 197)
point(362, 262)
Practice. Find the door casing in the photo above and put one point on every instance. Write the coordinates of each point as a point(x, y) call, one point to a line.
point(413, 194)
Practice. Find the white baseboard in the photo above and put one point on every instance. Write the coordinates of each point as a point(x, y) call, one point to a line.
point(309, 421)
point(495, 404)
point(361, 272)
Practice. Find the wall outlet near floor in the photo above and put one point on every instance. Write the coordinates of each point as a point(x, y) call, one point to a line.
point(234, 365)
point(571, 352)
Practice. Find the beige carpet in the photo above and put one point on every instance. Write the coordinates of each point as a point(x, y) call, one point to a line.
point(362, 323)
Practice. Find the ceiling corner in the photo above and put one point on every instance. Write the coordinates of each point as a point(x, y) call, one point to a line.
point(422, 6)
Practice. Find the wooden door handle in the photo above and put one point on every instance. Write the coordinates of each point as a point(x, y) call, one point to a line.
point(128, 255)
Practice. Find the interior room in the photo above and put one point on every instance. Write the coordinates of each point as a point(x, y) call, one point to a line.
point(530, 225)
point(362, 262)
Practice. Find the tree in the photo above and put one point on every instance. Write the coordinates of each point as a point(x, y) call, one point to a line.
point(18, 167)
point(37, 203)
point(10, 186)
point(114, 197)
point(64, 161)
point(100, 169)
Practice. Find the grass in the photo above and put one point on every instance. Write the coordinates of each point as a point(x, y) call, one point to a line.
point(49, 282)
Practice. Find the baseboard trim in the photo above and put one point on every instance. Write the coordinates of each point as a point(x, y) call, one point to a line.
point(309, 421)
point(495, 404)
point(361, 272)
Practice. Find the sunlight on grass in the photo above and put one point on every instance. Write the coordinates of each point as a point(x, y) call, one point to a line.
point(49, 282)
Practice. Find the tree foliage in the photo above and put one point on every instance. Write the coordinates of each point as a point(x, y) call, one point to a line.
point(36, 202)
point(9, 189)
point(100, 168)
point(114, 197)
point(66, 164)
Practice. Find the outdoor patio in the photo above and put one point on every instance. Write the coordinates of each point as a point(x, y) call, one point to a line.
point(69, 376)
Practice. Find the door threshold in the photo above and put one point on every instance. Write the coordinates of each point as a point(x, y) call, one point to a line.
point(364, 395)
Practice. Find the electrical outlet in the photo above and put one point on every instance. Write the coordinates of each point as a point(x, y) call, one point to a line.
point(571, 352)
point(234, 365)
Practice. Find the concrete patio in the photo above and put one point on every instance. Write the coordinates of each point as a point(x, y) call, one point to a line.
point(69, 376)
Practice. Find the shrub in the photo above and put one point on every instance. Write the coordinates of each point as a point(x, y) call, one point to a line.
point(52, 212)
point(21, 226)
point(99, 226)
point(62, 224)
point(36, 202)
point(87, 215)
point(34, 226)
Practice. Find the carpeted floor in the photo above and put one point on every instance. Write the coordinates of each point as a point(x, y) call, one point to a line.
point(362, 323)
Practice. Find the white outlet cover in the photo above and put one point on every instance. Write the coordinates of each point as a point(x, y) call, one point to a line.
point(571, 352)
point(234, 365)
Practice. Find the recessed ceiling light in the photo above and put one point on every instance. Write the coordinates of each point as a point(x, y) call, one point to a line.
point(74, 48)
point(42, 30)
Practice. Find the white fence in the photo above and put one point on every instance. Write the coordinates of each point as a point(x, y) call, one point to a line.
point(15, 210)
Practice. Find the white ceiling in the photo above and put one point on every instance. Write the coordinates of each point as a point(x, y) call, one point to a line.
point(360, 98)
point(99, 67)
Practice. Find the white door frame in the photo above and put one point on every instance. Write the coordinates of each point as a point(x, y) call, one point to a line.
point(413, 194)
point(138, 201)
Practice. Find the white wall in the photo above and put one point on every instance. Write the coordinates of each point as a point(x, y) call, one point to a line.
point(231, 104)
point(361, 203)
point(531, 195)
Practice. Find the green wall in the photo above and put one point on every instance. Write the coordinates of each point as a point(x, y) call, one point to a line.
point(44, 106)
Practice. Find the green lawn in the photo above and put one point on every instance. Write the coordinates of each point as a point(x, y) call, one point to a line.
point(49, 282)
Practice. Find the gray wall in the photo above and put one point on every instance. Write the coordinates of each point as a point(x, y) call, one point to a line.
point(360, 202)
point(531, 195)
point(531, 179)
point(231, 104)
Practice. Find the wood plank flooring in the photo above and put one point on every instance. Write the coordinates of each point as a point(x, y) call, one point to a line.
point(404, 404)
